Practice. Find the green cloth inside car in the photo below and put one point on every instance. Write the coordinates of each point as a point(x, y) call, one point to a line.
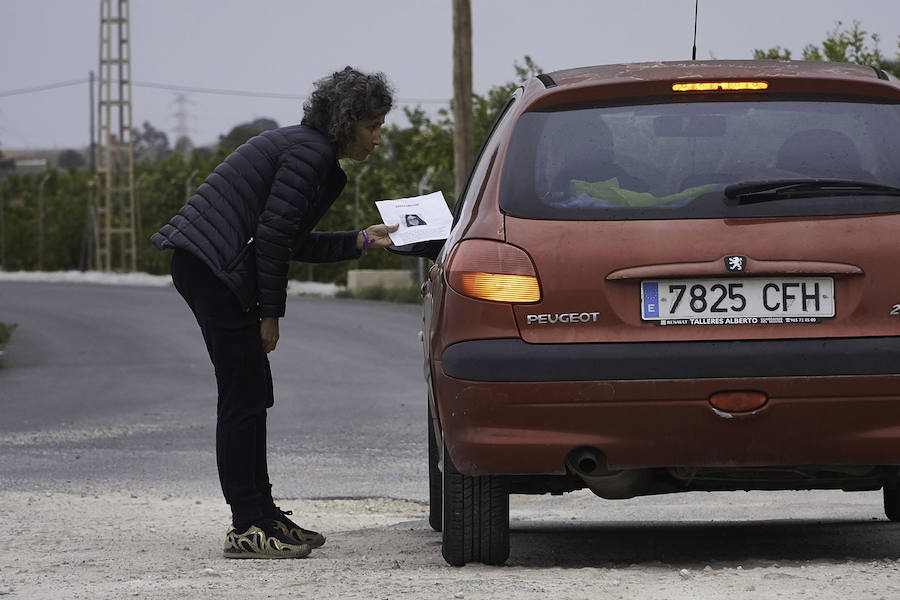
point(610, 191)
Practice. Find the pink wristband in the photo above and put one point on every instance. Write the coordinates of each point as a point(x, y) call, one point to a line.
point(366, 241)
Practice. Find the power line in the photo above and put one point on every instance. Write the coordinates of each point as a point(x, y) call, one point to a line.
point(217, 91)
point(41, 88)
point(200, 90)
point(230, 92)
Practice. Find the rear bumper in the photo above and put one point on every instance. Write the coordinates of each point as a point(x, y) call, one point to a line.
point(654, 414)
point(515, 360)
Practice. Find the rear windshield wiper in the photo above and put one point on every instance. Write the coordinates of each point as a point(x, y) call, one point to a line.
point(749, 192)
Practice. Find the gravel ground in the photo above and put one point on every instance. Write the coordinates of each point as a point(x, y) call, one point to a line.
point(84, 545)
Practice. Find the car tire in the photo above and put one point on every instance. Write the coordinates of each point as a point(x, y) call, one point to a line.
point(435, 485)
point(892, 502)
point(476, 517)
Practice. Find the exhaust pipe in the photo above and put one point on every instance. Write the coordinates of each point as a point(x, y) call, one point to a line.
point(586, 461)
point(591, 466)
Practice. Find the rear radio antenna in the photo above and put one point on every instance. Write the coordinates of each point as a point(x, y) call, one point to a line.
point(694, 51)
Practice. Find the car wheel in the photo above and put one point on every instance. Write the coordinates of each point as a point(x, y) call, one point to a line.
point(892, 502)
point(435, 487)
point(476, 517)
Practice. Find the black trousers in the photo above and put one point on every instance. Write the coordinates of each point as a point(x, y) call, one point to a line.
point(244, 382)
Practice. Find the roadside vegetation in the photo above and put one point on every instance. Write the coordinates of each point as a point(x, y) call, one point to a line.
point(844, 44)
point(404, 295)
point(5, 333)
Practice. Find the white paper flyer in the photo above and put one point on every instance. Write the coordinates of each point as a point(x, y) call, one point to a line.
point(421, 218)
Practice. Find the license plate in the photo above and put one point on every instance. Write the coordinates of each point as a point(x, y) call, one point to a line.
point(784, 298)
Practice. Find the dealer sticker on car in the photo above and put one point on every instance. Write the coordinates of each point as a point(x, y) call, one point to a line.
point(747, 300)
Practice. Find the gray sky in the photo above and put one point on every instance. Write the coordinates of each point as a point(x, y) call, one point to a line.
point(282, 46)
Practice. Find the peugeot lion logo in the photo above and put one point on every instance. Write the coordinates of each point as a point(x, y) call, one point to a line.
point(735, 263)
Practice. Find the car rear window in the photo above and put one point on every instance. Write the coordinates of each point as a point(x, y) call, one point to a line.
point(674, 160)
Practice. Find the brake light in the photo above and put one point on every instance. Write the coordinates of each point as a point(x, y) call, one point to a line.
point(489, 270)
point(721, 86)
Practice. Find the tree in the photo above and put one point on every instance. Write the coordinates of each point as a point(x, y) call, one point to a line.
point(847, 46)
point(70, 159)
point(488, 107)
point(243, 132)
point(150, 144)
point(776, 53)
point(184, 146)
point(852, 45)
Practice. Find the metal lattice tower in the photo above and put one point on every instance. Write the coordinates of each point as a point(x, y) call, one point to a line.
point(115, 157)
point(181, 113)
point(182, 130)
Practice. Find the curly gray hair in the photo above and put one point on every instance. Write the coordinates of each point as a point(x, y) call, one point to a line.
point(344, 98)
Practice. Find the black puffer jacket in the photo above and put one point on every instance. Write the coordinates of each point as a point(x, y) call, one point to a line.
point(256, 212)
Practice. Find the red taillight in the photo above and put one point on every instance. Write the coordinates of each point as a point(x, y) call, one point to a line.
point(495, 271)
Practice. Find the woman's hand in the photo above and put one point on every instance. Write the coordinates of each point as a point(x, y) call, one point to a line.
point(378, 236)
point(268, 331)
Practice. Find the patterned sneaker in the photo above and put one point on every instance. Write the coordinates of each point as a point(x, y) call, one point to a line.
point(263, 540)
point(313, 539)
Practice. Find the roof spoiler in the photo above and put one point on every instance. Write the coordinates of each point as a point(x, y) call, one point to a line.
point(546, 80)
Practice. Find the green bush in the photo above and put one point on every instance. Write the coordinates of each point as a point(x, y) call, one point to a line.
point(64, 200)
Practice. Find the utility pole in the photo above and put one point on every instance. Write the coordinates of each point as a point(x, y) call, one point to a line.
point(463, 127)
point(93, 147)
point(2, 234)
point(115, 160)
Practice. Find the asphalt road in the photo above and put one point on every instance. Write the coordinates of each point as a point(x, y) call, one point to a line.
point(110, 386)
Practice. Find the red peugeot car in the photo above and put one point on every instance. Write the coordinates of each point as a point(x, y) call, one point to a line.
point(669, 277)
